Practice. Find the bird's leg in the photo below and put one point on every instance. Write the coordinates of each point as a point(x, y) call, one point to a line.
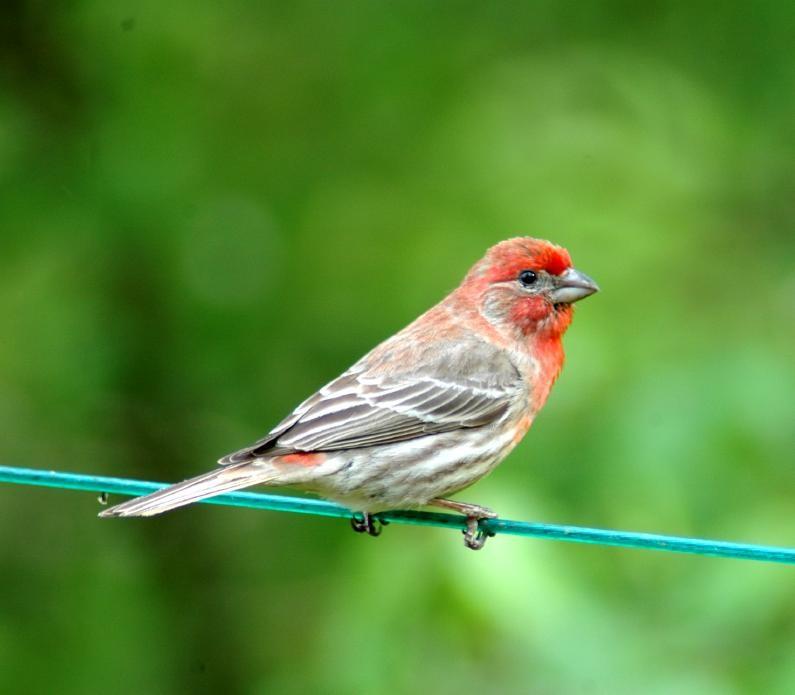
point(474, 536)
point(367, 523)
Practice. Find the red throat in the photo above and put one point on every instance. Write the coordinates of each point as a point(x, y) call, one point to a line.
point(535, 316)
point(542, 327)
point(549, 353)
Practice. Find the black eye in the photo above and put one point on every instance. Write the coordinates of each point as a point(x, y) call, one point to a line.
point(528, 277)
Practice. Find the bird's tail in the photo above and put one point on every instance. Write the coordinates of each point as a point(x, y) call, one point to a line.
point(216, 482)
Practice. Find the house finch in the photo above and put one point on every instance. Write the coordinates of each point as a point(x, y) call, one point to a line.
point(428, 411)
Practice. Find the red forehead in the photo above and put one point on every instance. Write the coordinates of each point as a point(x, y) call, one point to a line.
point(510, 258)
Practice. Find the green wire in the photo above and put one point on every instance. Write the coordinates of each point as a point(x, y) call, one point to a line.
point(626, 539)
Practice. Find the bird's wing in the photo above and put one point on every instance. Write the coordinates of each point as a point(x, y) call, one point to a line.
point(459, 385)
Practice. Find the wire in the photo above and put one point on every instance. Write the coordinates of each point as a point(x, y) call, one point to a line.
point(300, 505)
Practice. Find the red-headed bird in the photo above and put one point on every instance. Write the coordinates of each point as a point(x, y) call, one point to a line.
point(427, 412)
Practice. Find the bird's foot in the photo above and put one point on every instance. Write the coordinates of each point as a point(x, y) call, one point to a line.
point(367, 523)
point(474, 536)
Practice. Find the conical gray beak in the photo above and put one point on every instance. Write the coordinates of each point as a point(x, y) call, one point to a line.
point(571, 286)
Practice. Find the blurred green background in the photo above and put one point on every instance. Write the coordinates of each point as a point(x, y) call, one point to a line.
point(210, 209)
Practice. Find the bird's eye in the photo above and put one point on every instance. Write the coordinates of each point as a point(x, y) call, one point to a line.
point(528, 278)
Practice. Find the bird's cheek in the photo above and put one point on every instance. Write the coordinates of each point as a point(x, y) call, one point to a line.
point(528, 311)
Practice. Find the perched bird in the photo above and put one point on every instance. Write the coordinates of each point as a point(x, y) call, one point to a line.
point(427, 412)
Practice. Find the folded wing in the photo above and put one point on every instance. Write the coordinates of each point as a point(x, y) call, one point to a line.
point(375, 403)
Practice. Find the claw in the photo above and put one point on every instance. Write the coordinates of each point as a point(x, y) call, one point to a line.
point(367, 523)
point(474, 536)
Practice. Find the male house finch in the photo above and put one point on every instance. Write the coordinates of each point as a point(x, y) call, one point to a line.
point(428, 411)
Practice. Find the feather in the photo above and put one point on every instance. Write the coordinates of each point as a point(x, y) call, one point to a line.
point(465, 384)
point(209, 484)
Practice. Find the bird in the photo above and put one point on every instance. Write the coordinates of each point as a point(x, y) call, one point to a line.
point(427, 412)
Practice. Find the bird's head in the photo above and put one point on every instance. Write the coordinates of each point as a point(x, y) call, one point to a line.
point(528, 286)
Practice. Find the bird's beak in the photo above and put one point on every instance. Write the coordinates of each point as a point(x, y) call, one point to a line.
point(571, 286)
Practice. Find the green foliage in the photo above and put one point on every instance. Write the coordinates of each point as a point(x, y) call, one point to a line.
point(209, 209)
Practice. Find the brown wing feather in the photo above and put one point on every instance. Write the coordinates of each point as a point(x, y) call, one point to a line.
point(375, 402)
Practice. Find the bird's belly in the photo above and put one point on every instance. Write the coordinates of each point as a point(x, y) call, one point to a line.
point(409, 474)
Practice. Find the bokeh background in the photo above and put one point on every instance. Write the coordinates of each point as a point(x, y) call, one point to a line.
point(210, 209)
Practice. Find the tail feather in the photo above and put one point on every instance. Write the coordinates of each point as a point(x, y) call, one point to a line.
point(192, 490)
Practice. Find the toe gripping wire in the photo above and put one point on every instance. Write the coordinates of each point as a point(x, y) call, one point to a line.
point(372, 524)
